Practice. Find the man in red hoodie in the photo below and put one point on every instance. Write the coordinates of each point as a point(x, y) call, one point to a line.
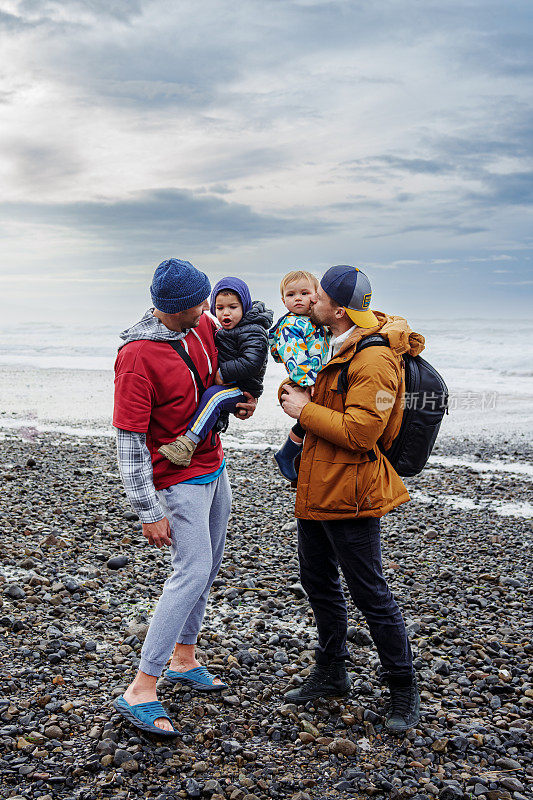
point(166, 361)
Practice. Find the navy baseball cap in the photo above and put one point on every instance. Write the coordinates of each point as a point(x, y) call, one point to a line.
point(350, 288)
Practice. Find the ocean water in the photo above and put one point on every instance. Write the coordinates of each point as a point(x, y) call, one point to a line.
point(58, 375)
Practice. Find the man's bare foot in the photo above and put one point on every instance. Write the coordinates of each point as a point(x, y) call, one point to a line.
point(134, 695)
point(184, 666)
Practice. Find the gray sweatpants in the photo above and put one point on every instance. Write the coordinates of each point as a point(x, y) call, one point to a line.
point(198, 517)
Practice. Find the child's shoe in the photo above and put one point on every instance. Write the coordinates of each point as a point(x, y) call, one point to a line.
point(284, 458)
point(179, 452)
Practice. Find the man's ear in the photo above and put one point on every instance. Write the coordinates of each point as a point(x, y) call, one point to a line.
point(340, 311)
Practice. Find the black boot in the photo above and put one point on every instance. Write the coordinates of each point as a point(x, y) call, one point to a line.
point(329, 680)
point(404, 706)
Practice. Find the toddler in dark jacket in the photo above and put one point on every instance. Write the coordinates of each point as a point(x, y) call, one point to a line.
point(242, 343)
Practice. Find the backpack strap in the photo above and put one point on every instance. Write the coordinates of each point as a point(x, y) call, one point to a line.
point(375, 340)
point(372, 341)
point(183, 354)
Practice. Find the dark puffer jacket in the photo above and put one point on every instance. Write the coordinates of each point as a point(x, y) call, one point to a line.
point(243, 350)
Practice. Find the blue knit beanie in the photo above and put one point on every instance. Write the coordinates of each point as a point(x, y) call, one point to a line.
point(177, 286)
point(238, 287)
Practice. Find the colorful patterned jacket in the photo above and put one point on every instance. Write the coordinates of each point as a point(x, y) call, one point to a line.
point(299, 344)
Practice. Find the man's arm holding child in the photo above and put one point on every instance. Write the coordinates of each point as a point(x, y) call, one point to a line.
point(364, 420)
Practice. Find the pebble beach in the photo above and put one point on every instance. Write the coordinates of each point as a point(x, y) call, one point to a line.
point(78, 584)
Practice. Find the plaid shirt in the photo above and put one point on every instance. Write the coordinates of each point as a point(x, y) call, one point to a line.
point(135, 467)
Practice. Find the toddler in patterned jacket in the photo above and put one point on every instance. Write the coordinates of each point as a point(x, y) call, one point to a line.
point(302, 346)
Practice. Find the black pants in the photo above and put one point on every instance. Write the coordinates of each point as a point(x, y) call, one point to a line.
point(355, 546)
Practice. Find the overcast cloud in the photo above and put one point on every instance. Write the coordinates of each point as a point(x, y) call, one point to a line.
point(251, 138)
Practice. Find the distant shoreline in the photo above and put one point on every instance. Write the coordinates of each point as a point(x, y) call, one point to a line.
point(54, 398)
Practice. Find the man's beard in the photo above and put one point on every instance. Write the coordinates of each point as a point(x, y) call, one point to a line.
point(313, 318)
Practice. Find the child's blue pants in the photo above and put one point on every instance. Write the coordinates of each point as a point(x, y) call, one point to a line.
point(214, 400)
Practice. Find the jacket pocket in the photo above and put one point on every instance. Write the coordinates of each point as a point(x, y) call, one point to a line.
point(329, 453)
point(343, 486)
point(333, 486)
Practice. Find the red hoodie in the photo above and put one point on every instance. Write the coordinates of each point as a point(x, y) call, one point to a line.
point(155, 393)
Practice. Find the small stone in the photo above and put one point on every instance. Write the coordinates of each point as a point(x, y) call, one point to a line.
point(441, 667)
point(192, 788)
point(290, 526)
point(245, 658)
point(231, 746)
point(513, 784)
point(451, 792)
point(24, 744)
point(138, 629)
point(53, 732)
point(508, 763)
point(117, 562)
point(212, 787)
point(440, 745)
point(308, 727)
point(15, 592)
point(36, 737)
point(106, 746)
point(370, 716)
point(231, 699)
point(298, 590)
point(344, 747)
point(121, 757)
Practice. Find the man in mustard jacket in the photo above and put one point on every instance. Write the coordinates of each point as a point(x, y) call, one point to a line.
point(345, 485)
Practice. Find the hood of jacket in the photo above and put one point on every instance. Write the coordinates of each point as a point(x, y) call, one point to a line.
point(396, 329)
point(151, 328)
point(259, 314)
point(235, 285)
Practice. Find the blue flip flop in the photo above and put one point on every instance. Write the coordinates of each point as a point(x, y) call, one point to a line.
point(143, 715)
point(199, 678)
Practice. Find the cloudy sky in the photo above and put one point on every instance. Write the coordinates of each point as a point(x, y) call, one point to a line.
point(257, 136)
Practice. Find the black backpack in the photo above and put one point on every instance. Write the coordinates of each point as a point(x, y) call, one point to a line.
point(426, 402)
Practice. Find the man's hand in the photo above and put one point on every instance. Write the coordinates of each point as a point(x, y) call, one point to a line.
point(294, 399)
point(246, 409)
point(157, 533)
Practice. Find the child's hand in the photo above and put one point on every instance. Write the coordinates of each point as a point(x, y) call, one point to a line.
point(312, 390)
point(219, 379)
